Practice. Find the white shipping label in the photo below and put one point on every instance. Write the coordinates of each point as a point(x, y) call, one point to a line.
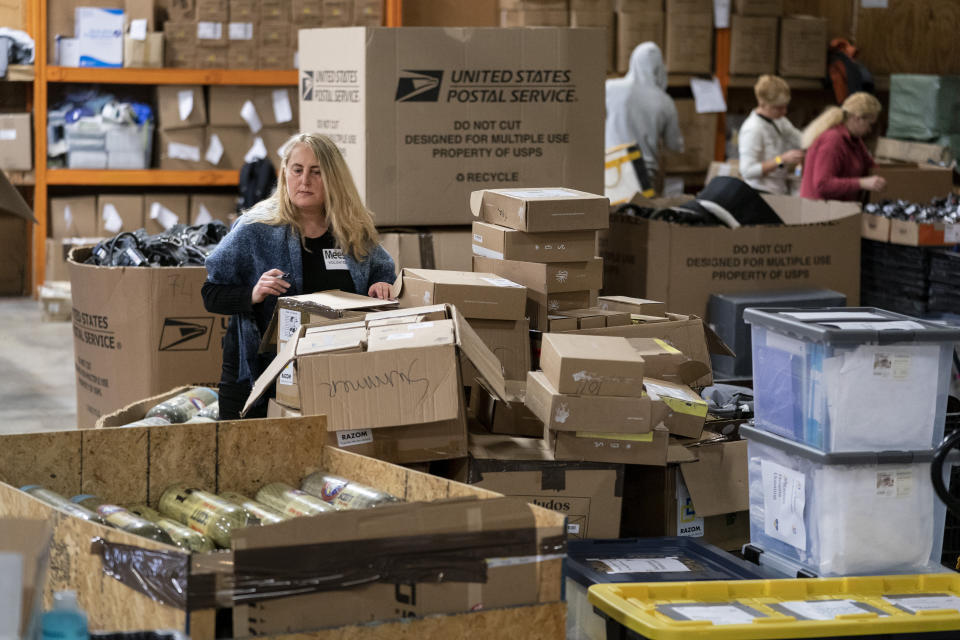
point(282, 112)
point(354, 436)
point(573, 528)
point(138, 29)
point(487, 253)
point(203, 216)
point(784, 498)
point(288, 323)
point(538, 194)
point(67, 217)
point(185, 103)
point(164, 216)
point(112, 221)
point(214, 150)
point(689, 524)
point(286, 376)
point(895, 483)
point(720, 614)
point(951, 234)
point(209, 31)
point(401, 336)
point(181, 151)
point(708, 95)
point(891, 365)
point(644, 565)
point(657, 391)
point(334, 260)
point(824, 609)
point(249, 114)
point(502, 282)
point(240, 31)
point(478, 238)
point(258, 151)
point(925, 602)
point(8, 134)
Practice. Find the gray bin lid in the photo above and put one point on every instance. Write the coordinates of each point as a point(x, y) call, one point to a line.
point(850, 325)
point(841, 457)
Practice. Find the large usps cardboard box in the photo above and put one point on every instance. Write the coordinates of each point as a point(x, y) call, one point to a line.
point(913, 182)
point(424, 116)
point(818, 247)
point(139, 331)
point(468, 542)
point(588, 493)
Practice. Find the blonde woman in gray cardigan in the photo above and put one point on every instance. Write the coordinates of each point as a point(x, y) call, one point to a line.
point(770, 146)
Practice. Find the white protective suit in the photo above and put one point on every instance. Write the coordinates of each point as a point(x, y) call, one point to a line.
point(639, 109)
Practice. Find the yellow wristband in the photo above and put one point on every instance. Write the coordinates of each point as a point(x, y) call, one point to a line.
point(779, 161)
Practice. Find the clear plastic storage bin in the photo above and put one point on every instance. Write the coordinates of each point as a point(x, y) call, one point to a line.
point(851, 379)
point(843, 514)
point(669, 559)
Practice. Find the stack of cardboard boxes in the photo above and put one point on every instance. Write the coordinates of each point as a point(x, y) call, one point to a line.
point(239, 124)
point(544, 239)
point(73, 221)
point(637, 21)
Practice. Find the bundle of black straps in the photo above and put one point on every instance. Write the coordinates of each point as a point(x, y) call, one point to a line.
point(178, 246)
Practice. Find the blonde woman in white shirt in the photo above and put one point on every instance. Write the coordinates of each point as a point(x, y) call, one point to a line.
point(770, 146)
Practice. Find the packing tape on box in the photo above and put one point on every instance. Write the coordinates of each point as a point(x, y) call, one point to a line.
point(172, 578)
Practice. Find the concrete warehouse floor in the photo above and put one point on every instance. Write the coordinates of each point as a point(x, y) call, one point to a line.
point(37, 385)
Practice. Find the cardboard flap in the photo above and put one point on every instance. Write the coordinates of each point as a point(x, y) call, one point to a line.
point(498, 447)
point(476, 202)
point(485, 361)
point(12, 202)
point(691, 370)
point(715, 343)
point(717, 481)
point(408, 311)
point(286, 355)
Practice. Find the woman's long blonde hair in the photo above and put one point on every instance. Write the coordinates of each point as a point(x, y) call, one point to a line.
point(859, 104)
point(350, 222)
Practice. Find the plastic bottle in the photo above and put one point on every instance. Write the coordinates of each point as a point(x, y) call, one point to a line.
point(292, 501)
point(205, 512)
point(122, 519)
point(211, 411)
point(344, 494)
point(66, 620)
point(266, 514)
point(155, 421)
point(182, 536)
point(184, 406)
point(54, 499)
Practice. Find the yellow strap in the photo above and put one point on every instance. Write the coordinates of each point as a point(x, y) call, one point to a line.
point(632, 437)
point(630, 157)
point(665, 346)
point(685, 407)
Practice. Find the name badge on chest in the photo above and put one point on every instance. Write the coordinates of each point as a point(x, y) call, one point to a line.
point(333, 260)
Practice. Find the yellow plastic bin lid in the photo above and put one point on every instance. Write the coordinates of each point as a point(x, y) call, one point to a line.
point(772, 609)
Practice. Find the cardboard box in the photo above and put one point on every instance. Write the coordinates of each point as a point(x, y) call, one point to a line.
point(448, 250)
point(638, 6)
point(689, 40)
point(180, 107)
point(406, 109)
point(226, 103)
point(874, 227)
point(16, 142)
point(803, 47)
point(562, 412)
point(163, 210)
point(909, 151)
point(916, 234)
point(275, 58)
point(305, 11)
point(145, 320)
point(677, 407)
point(180, 32)
point(539, 210)
point(665, 362)
point(276, 106)
point(758, 7)
point(632, 305)
point(589, 494)
point(634, 28)
point(130, 465)
point(55, 301)
point(313, 308)
point(540, 306)
point(213, 35)
point(409, 336)
point(913, 182)
point(689, 6)
point(509, 340)
point(212, 10)
point(603, 18)
point(591, 365)
point(147, 53)
point(753, 45)
point(99, 33)
point(179, 56)
point(475, 295)
point(504, 243)
point(369, 13)
point(206, 207)
point(15, 216)
point(534, 18)
point(702, 493)
point(337, 13)
point(182, 149)
point(229, 148)
point(74, 217)
point(818, 247)
point(505, 418)
point(274, 34)
point(272, 11)
point(699, 139)
point(212, 57)
point(621, 448)
point(244, 10)
point(588, 319)
point(546, 278)
point(119, 212)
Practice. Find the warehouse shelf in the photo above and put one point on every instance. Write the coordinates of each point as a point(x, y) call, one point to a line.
point(172, 76)
point(142, 178)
